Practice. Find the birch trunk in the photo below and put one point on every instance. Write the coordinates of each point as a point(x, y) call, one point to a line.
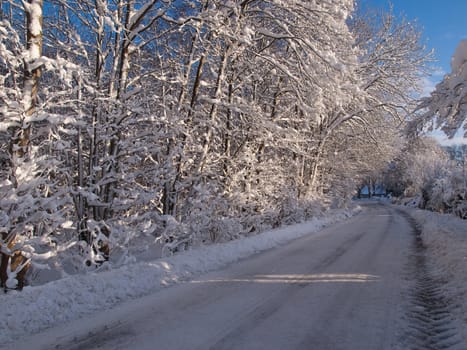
point(32, 74)
point(21, 137)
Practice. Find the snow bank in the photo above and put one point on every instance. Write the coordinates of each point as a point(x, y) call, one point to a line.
point(446, 239)
point(37, 308)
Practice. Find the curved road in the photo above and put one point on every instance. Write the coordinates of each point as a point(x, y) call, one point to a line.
point(344, 288)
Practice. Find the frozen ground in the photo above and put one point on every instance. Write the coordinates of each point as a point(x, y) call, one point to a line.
point(40, 307)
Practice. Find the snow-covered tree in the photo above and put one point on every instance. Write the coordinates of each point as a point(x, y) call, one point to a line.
point(424, 171)
point(185, 122)
point(446, 107)
point(379, 97)
point(21, 185)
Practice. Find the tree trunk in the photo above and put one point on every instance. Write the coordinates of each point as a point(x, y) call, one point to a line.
point(19, 144)
point(214, 109)
point(32, 73)
point(315, 167)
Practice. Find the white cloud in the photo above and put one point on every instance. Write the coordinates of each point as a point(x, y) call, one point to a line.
point(458, 140)
point(442, 139)
point(428, 84)
point(438, 72)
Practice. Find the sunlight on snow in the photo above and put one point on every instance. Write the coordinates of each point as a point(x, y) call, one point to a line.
point(314, 278)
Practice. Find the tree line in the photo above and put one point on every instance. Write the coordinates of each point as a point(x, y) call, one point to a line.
point(190, 121)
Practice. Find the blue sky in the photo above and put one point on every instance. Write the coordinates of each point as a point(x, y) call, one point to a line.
point(443, 22)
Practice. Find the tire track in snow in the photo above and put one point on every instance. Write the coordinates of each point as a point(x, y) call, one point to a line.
point(431, 324)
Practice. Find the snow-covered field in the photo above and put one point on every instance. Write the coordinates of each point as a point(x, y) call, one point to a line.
point(40, 307)
point(445, 237)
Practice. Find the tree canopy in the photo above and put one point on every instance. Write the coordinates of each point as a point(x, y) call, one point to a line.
point(128, 122)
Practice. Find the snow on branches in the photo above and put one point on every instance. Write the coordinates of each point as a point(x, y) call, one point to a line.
point(189, 122)
point(447, 104)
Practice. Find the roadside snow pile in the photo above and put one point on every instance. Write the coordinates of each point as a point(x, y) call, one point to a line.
point(446, 239)
point(37, 308)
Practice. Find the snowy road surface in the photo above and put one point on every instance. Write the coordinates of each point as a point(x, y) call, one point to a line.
point(344, 288)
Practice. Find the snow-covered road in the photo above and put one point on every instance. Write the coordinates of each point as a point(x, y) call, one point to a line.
point(346, 287)
point(337, 289)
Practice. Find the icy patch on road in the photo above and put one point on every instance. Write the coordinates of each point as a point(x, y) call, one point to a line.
point(37, 308)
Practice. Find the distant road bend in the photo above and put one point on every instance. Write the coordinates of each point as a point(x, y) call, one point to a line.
point(359, 284)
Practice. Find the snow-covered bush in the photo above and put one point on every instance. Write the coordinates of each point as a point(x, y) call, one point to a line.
point(426, 173)
point(448, 194)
